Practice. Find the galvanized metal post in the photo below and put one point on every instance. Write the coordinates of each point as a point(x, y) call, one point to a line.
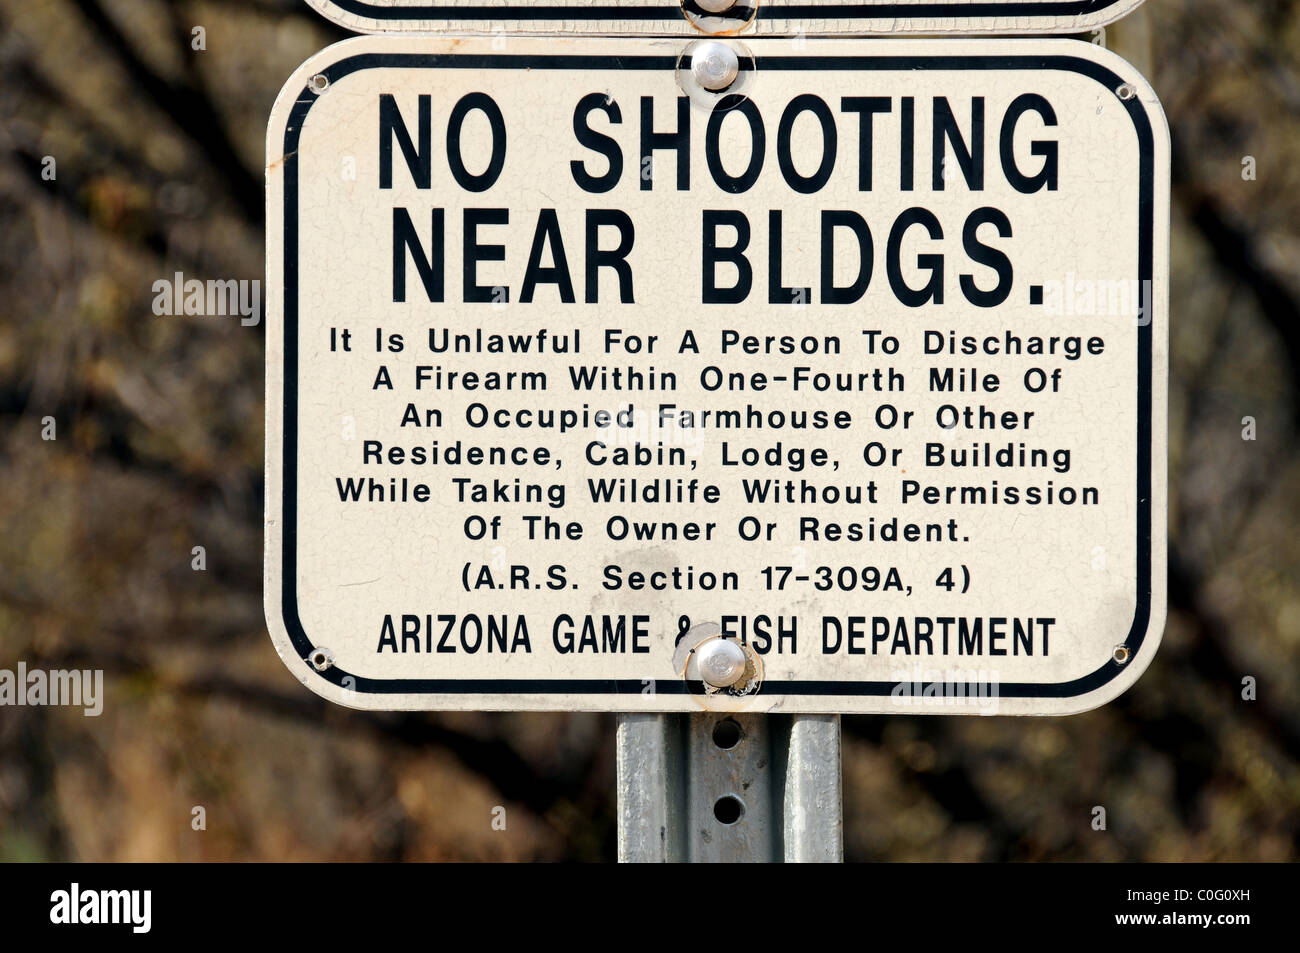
point(718, 787)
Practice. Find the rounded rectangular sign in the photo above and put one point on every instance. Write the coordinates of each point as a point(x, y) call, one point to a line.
point(757, 17)
point(840, 387)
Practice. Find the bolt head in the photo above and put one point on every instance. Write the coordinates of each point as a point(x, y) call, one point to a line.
point(716, 6)
point(714, 65)
point(722, 662)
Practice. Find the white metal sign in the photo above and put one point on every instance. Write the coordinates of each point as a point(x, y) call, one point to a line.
point(720, 16)
point(845, 389)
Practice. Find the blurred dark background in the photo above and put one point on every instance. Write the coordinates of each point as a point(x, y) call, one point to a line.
point(159, 148)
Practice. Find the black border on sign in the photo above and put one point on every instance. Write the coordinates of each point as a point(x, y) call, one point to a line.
point(635, 686)
point(766, 11)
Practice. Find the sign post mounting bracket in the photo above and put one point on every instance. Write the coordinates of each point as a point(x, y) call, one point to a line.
point(716, 787)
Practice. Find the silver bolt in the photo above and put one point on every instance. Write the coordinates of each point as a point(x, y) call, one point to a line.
point(320, 659)
point(722, 662)
point(714, 65)
point(716, 6)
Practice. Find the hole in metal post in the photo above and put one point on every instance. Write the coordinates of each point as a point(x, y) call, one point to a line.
point(726, 734)
point(728, 809)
